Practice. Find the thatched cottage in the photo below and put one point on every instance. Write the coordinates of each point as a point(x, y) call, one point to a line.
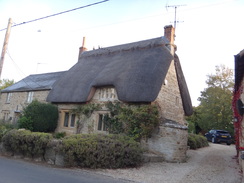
point(238, 106)
point(144, 72)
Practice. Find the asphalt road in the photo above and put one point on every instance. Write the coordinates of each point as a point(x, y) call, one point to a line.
point(21, 171)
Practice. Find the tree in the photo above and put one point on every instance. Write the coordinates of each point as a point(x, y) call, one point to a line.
point(5, 83)
point(215, 109)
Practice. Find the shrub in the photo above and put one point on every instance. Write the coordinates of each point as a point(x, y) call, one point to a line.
point(26, 142)
point(59, 135)
point(196, 141)
point(4, 128)
point(101, 151)
point(39, 117)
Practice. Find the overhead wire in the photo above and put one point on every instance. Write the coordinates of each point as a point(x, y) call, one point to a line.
point(57, 14)
point(18, 68)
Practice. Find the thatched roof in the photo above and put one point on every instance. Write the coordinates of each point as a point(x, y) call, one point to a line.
point(35, 82)
point(186, 99)
point(136, 70)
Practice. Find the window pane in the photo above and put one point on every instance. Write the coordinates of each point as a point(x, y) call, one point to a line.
point(29, 97)
point(66, 119)
point(8, 97)
point(100, 122)
point(72, 123)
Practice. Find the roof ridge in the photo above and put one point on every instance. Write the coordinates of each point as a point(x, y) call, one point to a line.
point(139, 45)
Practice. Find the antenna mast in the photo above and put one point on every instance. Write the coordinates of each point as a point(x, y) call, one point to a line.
point(175, 6)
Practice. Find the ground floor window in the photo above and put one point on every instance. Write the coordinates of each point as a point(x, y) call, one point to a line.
point(68, 119)
point(102, 122)
point(6, 116)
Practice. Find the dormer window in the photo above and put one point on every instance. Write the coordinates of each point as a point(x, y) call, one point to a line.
point(105, 94)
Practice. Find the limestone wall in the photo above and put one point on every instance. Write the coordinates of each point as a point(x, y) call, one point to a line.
point(169, 141)
point(169, 98)
point(11, 106)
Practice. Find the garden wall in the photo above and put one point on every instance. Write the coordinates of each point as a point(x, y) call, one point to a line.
point(169, 141)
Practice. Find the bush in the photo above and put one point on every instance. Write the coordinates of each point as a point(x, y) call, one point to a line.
point(59, 135)
point(4, 128)
point(39, 117)
point(26, 142)
point(196, 141)
point(101, 151)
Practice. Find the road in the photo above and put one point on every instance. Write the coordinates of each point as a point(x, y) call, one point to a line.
point(20, 171)
point(214, 164)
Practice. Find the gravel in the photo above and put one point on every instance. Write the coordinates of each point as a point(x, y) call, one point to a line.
point(214, 164)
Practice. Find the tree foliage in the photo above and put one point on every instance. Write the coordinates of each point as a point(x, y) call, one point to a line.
point(214, 111)
point(39, 117)
point(5, 83)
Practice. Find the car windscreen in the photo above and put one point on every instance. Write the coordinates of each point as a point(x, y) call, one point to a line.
point(220, 131)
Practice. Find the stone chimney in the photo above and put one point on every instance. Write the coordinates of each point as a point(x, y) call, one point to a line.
point(169, 33)
point(82, 48)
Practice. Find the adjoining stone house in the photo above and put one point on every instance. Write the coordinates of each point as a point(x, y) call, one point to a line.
point(14, 98)
point(238, 107)
point(144, 72)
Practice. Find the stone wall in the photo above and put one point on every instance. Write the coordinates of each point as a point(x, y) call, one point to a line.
point(169, 98)
point(9, 110)
point(169, 141)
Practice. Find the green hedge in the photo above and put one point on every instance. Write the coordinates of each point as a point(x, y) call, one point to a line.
point(101, 151)
point(4, 128)
point(39, 117)
point(196, 141)
point(25, 142)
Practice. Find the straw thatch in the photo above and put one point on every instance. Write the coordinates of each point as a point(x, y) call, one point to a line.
point(186, 100)
point(136, 70)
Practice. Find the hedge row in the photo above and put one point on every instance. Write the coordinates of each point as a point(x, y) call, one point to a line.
point(4, 128)
point(83, 150)
point(25, 142)
point(196, 141)
point(102, 151)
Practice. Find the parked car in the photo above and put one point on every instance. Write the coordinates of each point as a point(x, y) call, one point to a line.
point(218, 136)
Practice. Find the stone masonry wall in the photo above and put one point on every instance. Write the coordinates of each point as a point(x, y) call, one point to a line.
point(169, 98)
point(169, 141)
point(17, 102)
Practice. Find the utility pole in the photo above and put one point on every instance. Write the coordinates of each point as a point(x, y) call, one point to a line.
point(5, 45)
point(175, 6)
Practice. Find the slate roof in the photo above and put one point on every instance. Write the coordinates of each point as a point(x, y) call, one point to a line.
point(136, 70)
point(35, 82)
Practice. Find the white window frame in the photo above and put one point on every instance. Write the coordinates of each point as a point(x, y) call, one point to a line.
point(9, 96)
point(30, 96)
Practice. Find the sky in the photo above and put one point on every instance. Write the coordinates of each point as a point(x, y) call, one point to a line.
point(208, 33)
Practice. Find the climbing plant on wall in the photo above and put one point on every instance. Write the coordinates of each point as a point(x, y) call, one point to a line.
point(137, 121)
point(83, 112)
